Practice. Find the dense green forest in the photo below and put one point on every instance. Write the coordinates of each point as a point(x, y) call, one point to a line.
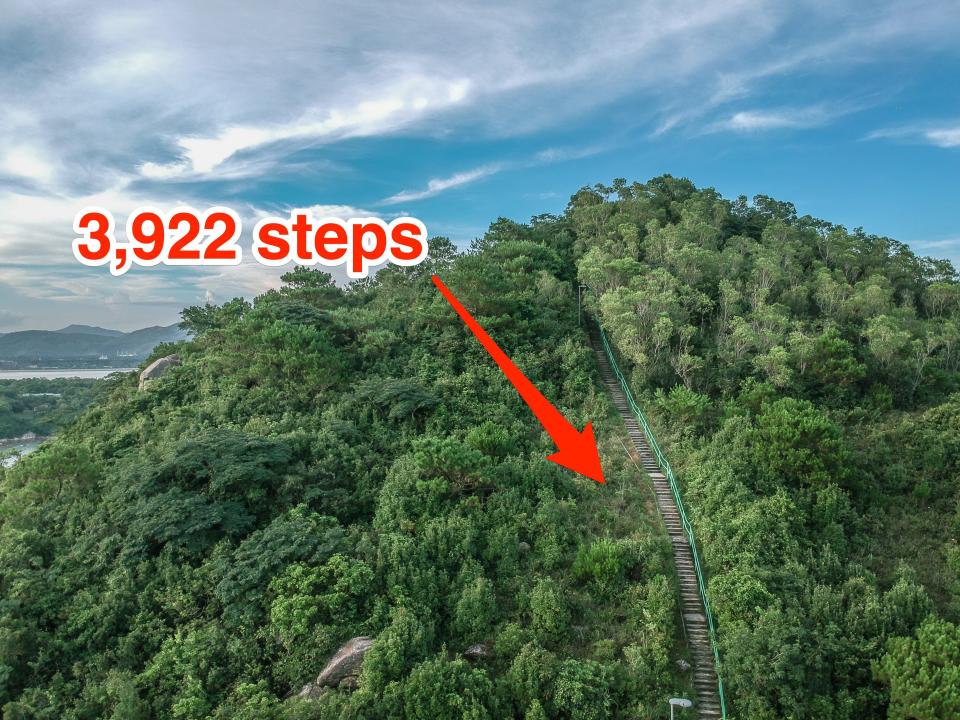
point(41, 405)
point(806, 379)
point(328, 463)
point(333, 462)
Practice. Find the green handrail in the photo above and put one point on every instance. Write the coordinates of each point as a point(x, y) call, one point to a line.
point(687, 527)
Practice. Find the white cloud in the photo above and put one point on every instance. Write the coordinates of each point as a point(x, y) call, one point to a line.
point(838, 37)
point(28, 163)
point(435, 186)
point(749, 121)
point(760, 120)
point(935, 244)
point(39, 269)
point(939, 135)
point(132, 102)
point(38, 264)
point(945, 137)
point(201, 155)
point(151, 97)
point(948, 248)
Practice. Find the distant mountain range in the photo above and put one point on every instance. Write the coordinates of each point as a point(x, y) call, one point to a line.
point(84, 345)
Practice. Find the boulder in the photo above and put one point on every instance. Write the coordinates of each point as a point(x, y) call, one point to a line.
point(158, 368)
point(342, 671)
point(312, 691)
point(476, 653)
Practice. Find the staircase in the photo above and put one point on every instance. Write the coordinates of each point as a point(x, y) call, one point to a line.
point(694, 621)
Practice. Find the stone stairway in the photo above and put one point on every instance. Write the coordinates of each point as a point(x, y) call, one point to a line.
point(707, 702)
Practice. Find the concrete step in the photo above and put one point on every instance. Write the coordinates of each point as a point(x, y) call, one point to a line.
point(698, 632)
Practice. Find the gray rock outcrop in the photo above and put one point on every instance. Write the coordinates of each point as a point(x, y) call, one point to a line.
point(157, 368)
point(476, 653)
point(342, 671)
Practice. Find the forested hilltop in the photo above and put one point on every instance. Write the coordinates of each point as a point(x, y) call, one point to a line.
point(806, 378)
point(335, 462)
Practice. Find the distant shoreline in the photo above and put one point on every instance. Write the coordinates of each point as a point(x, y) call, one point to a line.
point(62, 373)
point(14, 449)
point(25, 438)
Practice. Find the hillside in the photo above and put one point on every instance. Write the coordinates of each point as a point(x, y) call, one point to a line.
point(804, 379)
point(84, 343)
point(331, 463)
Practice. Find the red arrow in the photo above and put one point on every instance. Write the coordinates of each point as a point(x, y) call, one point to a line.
point(576, 450)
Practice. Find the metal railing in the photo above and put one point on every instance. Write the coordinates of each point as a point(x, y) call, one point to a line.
point(687, 527)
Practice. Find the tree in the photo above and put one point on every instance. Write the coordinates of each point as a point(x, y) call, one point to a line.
point(923, 673)
point(441, 688)
point(476, 609)
point(203, 318)
point(549, 614)
point(797, 444)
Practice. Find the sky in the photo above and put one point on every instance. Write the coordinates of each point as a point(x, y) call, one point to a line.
point(456, 113)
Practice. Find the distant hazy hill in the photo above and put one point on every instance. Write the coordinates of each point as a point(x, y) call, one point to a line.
point(83, 342)
point(90, 330)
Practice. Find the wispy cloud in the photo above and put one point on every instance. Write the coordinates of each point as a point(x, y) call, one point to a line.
point(840, 37)
point(800, 117)
point(756, 120)
point(435, 186)
point(548, 156)
point(948, 247)
point(944, 135)
point(130, 102)
point(203, 155)
point(950, 243)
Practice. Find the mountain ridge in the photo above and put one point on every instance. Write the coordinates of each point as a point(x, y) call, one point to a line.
point(84, 342)
point(75, 329)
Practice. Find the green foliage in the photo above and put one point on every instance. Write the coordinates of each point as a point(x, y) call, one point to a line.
point(685, 409)
point(793, 370)
point(398, 647)
point(440, 688)
point(41, 406)
point(797, 444)
point(475, 610)
point(326, 463)
point(329, 462)
point(333, 594)
point(582, 690)
point(549, 611)
point(923, 672)
point(205, 318)
point(602, 564)
point(531, 676)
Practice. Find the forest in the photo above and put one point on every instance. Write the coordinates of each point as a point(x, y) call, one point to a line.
point(40, 405)
point(804, 379)
point(331, 462)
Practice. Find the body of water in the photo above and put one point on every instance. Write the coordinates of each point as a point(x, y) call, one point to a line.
point(21, 446)
point(82, 373)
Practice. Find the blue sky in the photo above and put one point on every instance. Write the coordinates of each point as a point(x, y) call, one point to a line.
point(456, 113)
